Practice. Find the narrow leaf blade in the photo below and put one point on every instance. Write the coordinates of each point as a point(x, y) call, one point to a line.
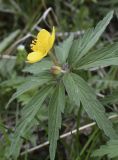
point(62, 51)
point(30, 84)
point(91, 105)
point(56, 106)
point(102, 57)
point(39, 67)
point(90, 38)
point(111, 149)
point(28, 114)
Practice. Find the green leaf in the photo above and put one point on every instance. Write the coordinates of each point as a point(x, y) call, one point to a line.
point(8, 40)
point(13, 82)
point(28, 114)
point(56, 106)
point(39, 67)
point(111, 149)
point(7, 66)
point(90, 103)
point(63, 49)
point(72, 89)
point(73, 51)
point(102, 57)
point(90, 38)
point(30, 84)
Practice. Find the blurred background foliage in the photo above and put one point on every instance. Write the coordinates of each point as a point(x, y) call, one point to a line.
point(19, 22)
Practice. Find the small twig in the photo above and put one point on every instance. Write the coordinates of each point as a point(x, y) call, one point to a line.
point(65, 34)
point(7, 57)
point(65, 135)
point(23, 38)
point(43, 17)
point(8, 51)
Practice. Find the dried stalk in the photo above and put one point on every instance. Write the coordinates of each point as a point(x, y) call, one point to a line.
point(65, 135)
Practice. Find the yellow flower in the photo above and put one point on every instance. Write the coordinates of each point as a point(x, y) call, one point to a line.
point(41, 45)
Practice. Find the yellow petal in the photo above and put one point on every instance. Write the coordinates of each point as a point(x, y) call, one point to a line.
point(52, 38)
point(43, 37)
point(43, 34)
point(41, 41)
point(35, 57)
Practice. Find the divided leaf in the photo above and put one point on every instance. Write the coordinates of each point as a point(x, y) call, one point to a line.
point(102, 57)
point(90, 103)
point(30, 84)
point(111, 149)
point(56, 106)
point(28, 114)
point(90, 38)
point(72, 89)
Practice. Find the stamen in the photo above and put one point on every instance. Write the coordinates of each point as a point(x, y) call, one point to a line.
point(34, 41)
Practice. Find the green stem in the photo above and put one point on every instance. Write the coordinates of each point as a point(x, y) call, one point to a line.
point(78, 133)
point(91, 147)
point(78, 158)
point(88, 142)
point(78, 124)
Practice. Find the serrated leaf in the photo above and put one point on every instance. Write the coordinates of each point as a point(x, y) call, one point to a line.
point(56, 106)
point(90, 103)
point(39, 67)
point(90, 38)
point(28, 114)
point(78, 45)
point(72, 90)
point(8, 40)
point(102, 57)
point(73, 51)
point(63, 49)
point(111, 149)
point(13, 82)
point(30, 84)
